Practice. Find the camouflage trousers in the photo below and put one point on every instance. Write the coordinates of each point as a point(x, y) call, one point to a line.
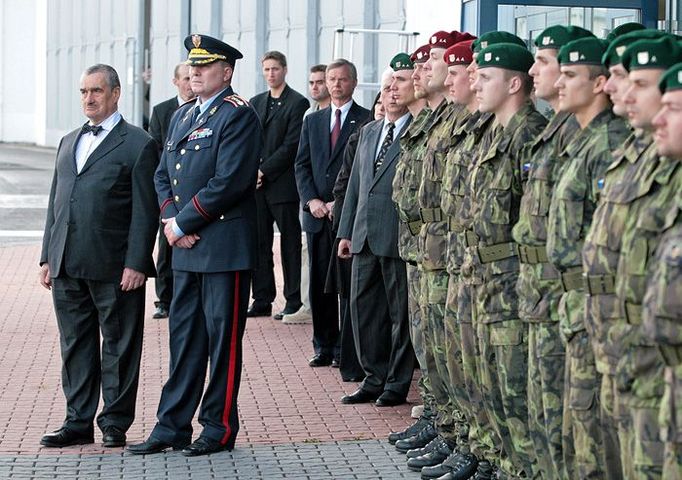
point(672, 466)
point(670, 420)
point(417, 337)
point(503, 345)
point(585, 442)
point(434, 290)
point(616, 425)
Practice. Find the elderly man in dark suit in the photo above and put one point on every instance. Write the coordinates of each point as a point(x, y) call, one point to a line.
point(96, 256)
point(280, 110)
point(158, 129)
point(205, 183)
point(323, 139)
point(368, 232)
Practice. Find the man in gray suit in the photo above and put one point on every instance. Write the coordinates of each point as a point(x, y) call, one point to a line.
point(369, 233)
point(97, 254)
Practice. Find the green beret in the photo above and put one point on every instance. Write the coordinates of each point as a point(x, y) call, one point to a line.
point(618, 45)
point(659, 53)
point(557, 36)
point(584, 51)
point(623, 29)
point(509, 56)
point(671, 79)
point(497, 36)
point(401, 62)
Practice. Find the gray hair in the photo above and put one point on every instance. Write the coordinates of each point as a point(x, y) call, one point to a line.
point(109, 74)
point(342, 62)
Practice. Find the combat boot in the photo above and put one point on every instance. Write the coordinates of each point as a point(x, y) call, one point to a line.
point(434, 457)
point(458, 466)
point(485, 471)
point(430, 447)
point(410, 431)
point(427, 434)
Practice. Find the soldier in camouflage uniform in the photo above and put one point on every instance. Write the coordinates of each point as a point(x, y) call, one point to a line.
point(451, 421)
point(405, 187)
point(662, 304)
point(573, 201)
point(628, 178)
point(503, 87)
point(639, 373)
point(539, 284)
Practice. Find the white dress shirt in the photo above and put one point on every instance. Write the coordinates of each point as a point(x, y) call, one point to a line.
point(89, 142)
point(344, 113)
point(399, 124)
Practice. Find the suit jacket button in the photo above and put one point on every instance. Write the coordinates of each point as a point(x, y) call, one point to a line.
point(175, 181)
point(177, 166)
point(182, 152)
point(222, 217)
point(177, 198)
point(196, 147)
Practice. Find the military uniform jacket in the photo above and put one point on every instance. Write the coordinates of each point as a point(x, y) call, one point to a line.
point(207, 179)
point(105, 217)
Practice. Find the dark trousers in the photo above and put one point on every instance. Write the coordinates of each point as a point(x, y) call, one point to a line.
point(164, 272)
point(349, 365)
point(324, 306)
point(378, 305)
point(85, 309)
point(207, 321)
point(289, 225)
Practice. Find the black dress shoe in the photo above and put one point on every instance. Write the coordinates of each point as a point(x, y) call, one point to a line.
point(205, 446)
point(160, 312)
point(428, 448)
point(286, 311)
point(434, 457)
point(359, 396)
point(418, 441)
point(65, 437)
point(390, 399)
point(413, 429)
point(320, 360)
point(458, 466)
point(336, 363)
point(256, 310)
point(152, 445)
point(113, 437)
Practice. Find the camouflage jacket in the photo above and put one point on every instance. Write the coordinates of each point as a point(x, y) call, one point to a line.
point(542, 161)
point(406, 183)
point(433, 234)
point(584, 162)
point(495, 189)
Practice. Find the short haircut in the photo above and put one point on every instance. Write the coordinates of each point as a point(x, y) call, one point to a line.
point(279, 57)
point(597, 71)
point(176, 71)
point(526, 80)
point(320, 67)
point(110, 74)
point(342, 62)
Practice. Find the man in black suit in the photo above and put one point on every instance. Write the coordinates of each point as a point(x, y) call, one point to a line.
point(323, 139)
point(280, 110)
point(206, 182)
point(368, 232)
point(158, 129)
point(96, 256)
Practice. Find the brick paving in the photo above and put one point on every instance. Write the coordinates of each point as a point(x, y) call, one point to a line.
point(292, 422)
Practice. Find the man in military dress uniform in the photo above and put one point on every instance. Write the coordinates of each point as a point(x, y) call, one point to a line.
point(503, 88)
point(206, 183)
point(538, 285)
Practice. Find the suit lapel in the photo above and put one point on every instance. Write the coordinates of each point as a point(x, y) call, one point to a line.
point(392, 153)
point(261, 107)
point(113, 140)
point(73, 147)
point(323, 134)
point(282, 105)
point(348, 127)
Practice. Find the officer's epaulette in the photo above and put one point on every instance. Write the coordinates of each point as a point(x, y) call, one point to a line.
point(236, 100)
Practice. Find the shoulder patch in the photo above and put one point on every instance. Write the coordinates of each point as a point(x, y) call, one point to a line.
point(236, 100)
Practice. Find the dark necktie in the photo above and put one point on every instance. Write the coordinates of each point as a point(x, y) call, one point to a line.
point(195, 114)
point(388, 140)
point(94, 129)
point(336, 130)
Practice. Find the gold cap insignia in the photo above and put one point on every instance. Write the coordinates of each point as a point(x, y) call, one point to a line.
point(643, 58)
point(574, 56)
point(196, 40)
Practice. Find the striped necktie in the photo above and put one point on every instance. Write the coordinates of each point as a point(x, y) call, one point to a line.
point(388, 140)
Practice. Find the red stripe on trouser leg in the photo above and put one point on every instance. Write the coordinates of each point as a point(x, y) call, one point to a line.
point(233, 360)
